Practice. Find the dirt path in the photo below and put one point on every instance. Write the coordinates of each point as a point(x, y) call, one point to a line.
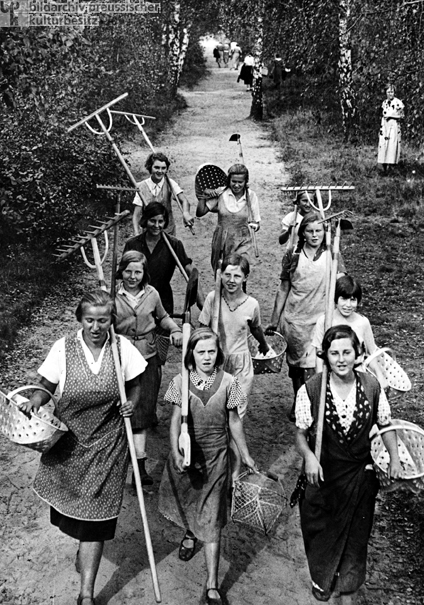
point(37, 561)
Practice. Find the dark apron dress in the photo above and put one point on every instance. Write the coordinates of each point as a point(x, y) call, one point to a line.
point(197, 499)
point(336, 517)
point(83, 476)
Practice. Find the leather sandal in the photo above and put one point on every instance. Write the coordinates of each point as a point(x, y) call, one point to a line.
point(213, 600)
point(186, 553)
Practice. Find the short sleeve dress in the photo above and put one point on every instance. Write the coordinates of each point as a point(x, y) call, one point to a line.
point(197, 499)
point(233, 330)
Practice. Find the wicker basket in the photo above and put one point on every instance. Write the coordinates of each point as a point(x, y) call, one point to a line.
point(258, 500)
point(37, 430)
point(396, 377)
point(410, 439)
point(268, 365)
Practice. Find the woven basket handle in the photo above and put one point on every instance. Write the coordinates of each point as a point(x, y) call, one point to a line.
point(376, 354)
point(33, 387)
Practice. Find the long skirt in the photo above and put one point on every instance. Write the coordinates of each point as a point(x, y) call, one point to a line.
point(145, 410)
point(197, 499)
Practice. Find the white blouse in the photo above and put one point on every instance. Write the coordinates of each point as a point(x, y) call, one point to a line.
point(54, 366)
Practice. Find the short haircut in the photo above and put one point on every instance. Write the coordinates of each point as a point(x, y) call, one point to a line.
point(237, 260)
point(239, 169)
point(134, 256)
point(151, 210)
point(348, 287)
point(96, 298)
point(336, 333)
point(203, 333)
point(151, 159)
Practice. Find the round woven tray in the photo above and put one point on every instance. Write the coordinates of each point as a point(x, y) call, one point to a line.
point(411, 453)
point(270, 364)
point(38, 431)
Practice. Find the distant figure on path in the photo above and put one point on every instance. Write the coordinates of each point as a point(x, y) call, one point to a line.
point(246, 72)
point(159, 188)
point(390, 133)
point(226, 54)
point(277, 71)
point(235, 56)
point(217, 55)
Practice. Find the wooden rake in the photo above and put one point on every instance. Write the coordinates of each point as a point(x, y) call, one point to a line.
point(106, 131)
point(133, 119)
point(65, 251)
point(345, 225)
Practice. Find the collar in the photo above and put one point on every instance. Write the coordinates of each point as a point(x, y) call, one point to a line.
point(201, 383)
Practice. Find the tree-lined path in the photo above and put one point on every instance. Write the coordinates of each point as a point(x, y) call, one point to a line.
point(37, 561)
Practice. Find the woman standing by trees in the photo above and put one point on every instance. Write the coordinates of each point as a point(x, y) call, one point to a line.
point(390, 133)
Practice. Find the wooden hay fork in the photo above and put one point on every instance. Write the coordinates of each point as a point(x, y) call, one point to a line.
point(98, 265)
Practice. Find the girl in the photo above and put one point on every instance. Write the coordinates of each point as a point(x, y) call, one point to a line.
point(348, 295)
point(161, 263)
point(232, 234)
point(238, 312)
point(196, 497)
point(293, 219)
point(300, 299)
point(138, 308)
point(337, 507)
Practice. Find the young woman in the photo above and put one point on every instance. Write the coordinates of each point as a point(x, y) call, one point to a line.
point(239, 314)
point(337, 507)
point(347, 297)
point(161, 263)
point(83, 475)
point(300, 299)
point(390, 131)
point(232, 233)
point(160, 188)
point(195, 498)
point(293, 219)
point(138, 310)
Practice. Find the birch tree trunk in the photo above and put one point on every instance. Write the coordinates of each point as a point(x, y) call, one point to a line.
point(257, 107)
point(347, 93)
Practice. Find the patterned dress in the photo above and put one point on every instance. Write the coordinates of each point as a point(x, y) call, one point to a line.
point(83, 475)
point(390, 132)
point(336, 517)
point(197, 498)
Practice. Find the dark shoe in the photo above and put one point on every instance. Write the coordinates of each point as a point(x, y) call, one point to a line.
point(146, 479)
point(77, 563)
point(186, 553)
point(291, 415)
point(321, 595)
point(212, 600)
point(85, 601)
